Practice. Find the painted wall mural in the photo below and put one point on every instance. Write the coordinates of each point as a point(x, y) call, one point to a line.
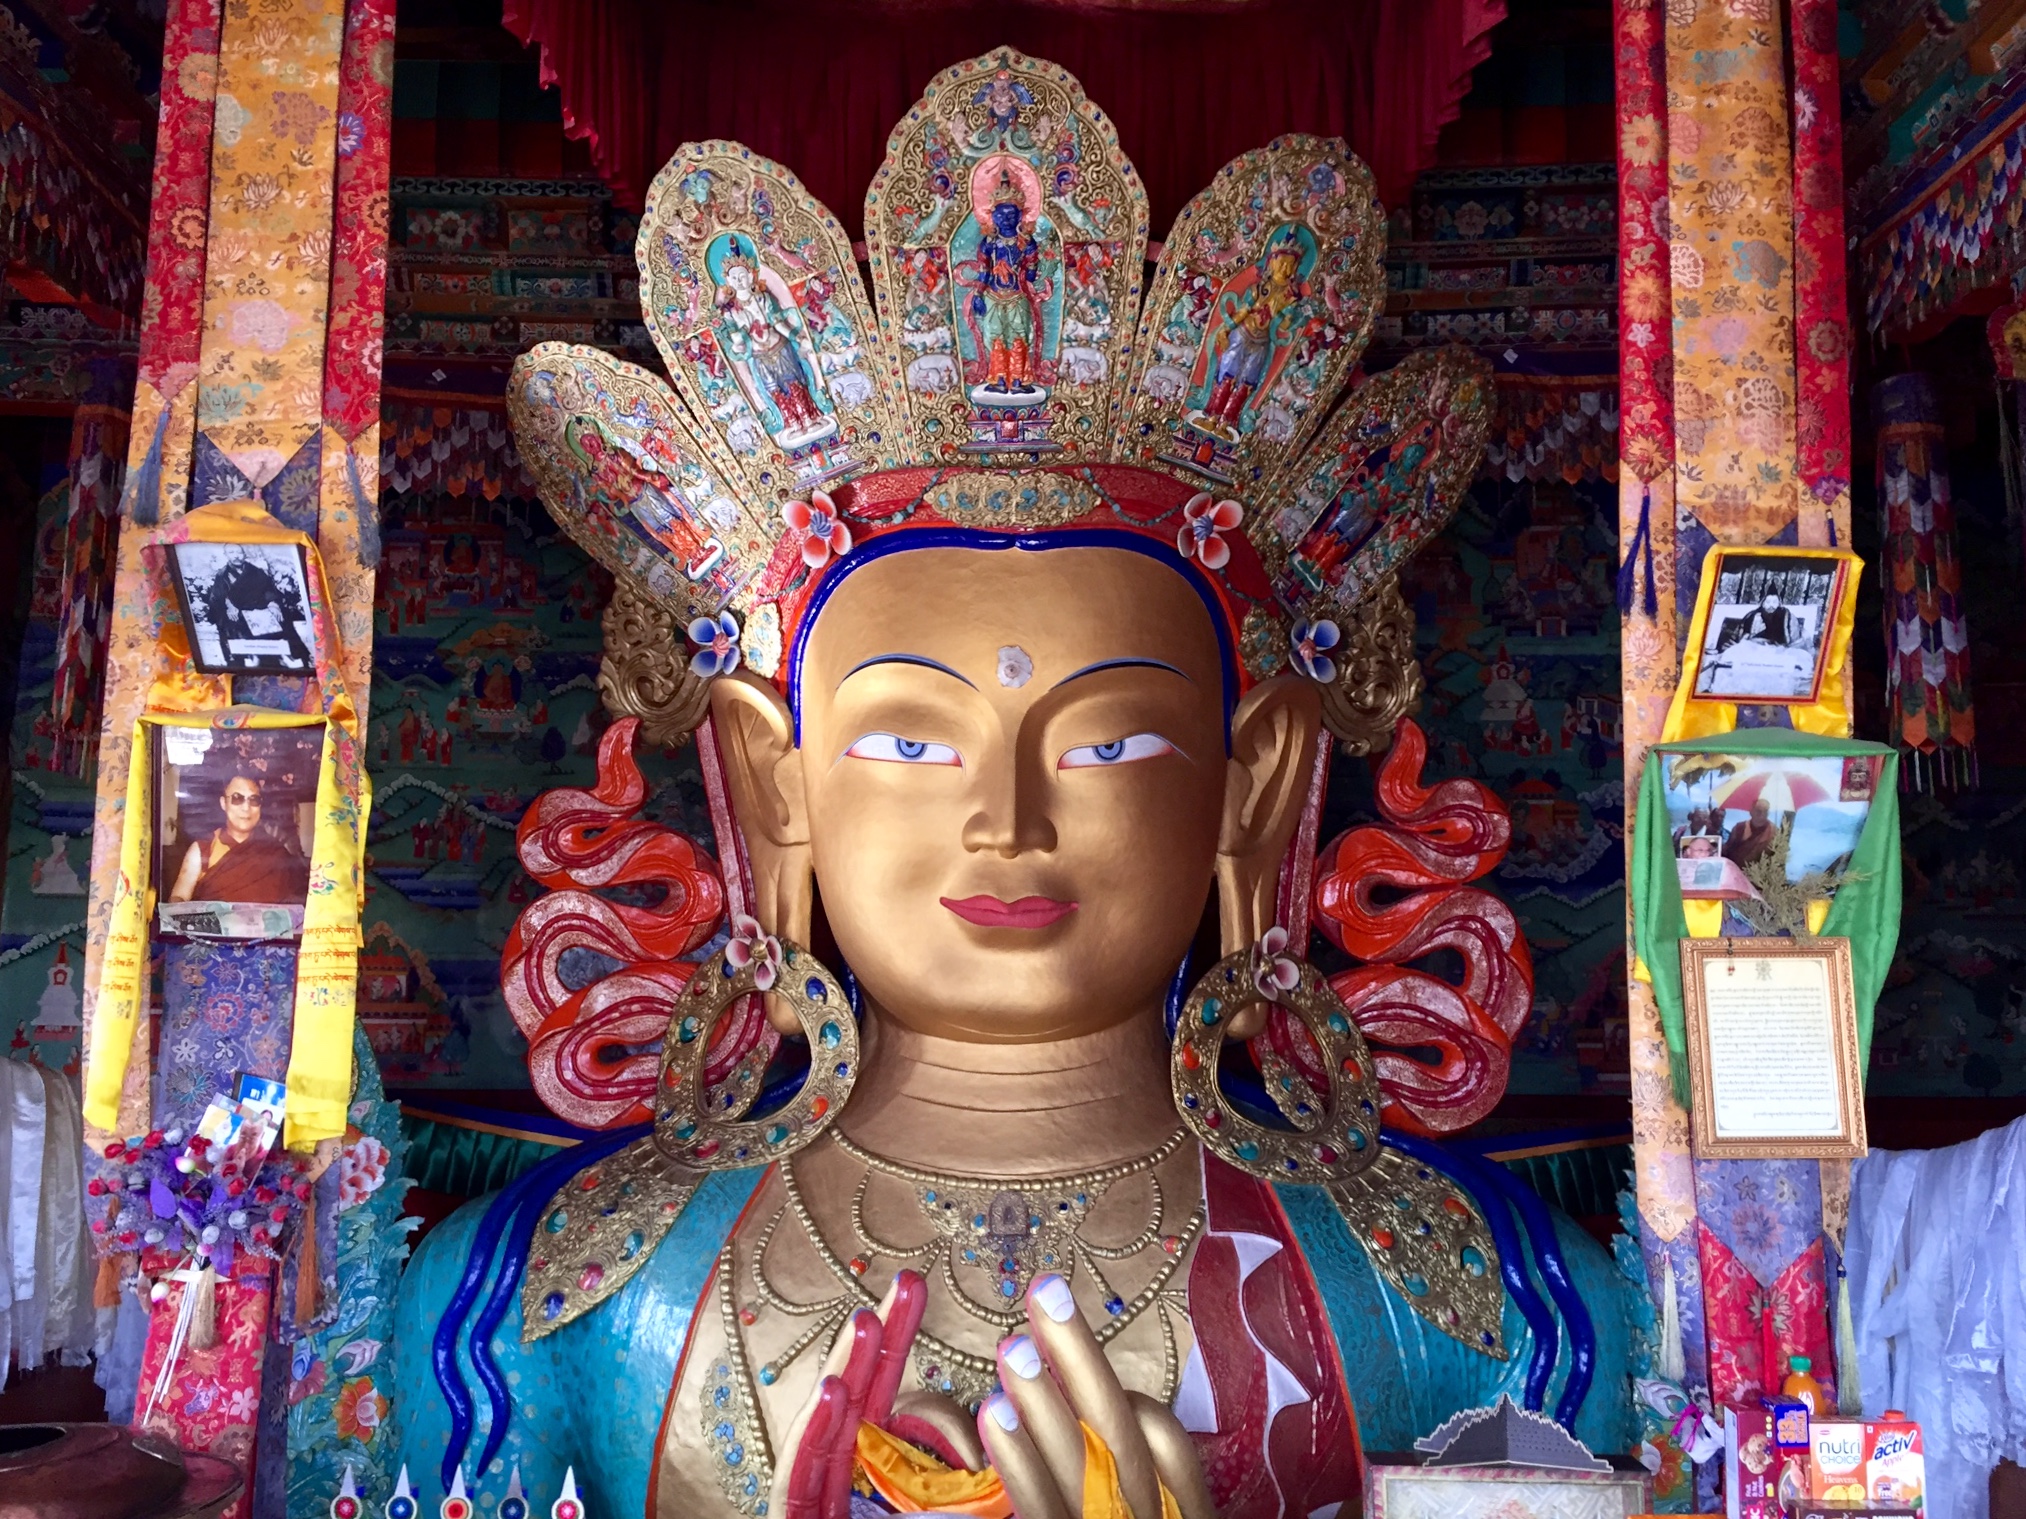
point(42, 913)
point(486, 647)
point(1517, 628)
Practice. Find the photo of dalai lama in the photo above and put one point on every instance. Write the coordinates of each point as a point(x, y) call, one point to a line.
point(241, 862)
point(236, 829)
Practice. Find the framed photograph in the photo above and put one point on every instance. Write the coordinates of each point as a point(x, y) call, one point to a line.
point(1776, 816)
point(1772, 1049)
point(234, 814)
point(1767, 635)
point(247, 607)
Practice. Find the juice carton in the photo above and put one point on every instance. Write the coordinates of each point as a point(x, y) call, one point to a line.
point(1895, 1471)
point(1836, 1455)
point(1751, 1465)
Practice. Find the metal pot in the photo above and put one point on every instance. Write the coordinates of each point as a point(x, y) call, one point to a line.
point(104, 1471)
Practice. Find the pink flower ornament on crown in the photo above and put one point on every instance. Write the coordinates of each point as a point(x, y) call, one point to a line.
point(823, 531)
point(1204, 524)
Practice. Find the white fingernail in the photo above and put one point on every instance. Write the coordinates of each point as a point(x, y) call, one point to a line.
point(1003, 1415)
point(1055, 1298)
point(1021, 1358)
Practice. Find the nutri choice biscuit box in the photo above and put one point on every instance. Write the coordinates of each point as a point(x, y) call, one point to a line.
point(1836, 1455)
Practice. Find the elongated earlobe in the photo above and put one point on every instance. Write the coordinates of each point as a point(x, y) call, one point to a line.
point(756, 738)
point(1273, 735)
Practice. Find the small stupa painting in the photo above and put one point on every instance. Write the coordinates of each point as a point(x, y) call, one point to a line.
point(53, 875)
point(56, 1011)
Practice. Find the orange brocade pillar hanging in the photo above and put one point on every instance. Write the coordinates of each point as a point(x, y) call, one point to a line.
point(259, 378)
point(1733, 437)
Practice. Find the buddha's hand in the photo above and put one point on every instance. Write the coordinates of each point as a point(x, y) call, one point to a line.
point(1057, 1385)
point(1069, 1441)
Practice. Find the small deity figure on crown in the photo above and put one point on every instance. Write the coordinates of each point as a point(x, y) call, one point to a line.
point(1254, 318)
point(764, 335)
point(1007, 286)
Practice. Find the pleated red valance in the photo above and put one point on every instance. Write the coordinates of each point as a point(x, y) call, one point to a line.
point(818, 84)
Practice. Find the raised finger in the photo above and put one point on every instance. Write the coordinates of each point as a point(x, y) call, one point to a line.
point(809, 1471)
point(901, 1312)
point(1092, 1389)
point(1045, 1414)
point(1175, 1458)
point(865, 1334)
point(1030, 1485)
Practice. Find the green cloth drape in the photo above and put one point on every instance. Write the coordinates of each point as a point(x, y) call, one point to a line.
point(1865, 909)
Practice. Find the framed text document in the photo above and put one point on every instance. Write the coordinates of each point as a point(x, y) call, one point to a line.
point(1772, 1048)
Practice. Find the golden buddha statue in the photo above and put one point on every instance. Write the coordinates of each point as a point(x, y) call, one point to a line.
point(1048, 1204)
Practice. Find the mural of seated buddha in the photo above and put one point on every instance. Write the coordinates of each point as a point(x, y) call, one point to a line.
point(1059, 1182)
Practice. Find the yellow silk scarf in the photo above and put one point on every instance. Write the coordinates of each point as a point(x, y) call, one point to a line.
point(327, 960)
point(915, 1482)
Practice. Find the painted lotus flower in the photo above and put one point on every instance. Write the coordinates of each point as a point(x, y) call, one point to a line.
point(361, 1170)
point(1274, 973)
point(361, 1410)
point(717, 641)
point(1310, 643)
point(822, 529)
point(1204, 523)
point(752, 945)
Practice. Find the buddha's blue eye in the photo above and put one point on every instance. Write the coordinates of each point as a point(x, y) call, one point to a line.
point(893, 749)
point(1120, 751)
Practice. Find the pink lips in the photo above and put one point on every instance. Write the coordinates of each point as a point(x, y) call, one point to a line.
point(1028, 912)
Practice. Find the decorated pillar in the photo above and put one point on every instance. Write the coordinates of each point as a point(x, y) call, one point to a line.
point(1651, 658)
point(258, 385)
point(1929, 714)
point(1737, 433)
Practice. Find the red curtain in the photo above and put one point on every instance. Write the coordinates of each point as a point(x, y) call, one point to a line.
point(818, 84)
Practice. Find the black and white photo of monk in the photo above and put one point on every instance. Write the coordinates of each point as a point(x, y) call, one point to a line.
point(1768, 628)
point(247, 606)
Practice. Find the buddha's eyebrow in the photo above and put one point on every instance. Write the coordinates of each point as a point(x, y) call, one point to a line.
point(904, 659)
point(1124, 664)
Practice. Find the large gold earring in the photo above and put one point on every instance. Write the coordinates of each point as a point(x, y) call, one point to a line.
point(1334, 1133)
point(601, 1226)
point(753, 961)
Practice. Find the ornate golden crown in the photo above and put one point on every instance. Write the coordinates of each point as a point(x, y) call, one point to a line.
point(1003, 387)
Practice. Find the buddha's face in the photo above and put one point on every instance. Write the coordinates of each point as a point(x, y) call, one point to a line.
point(1014, 773)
